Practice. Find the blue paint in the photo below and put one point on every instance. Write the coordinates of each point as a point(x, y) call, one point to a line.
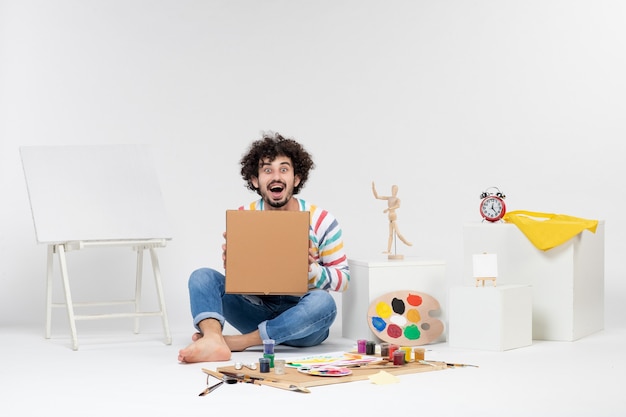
point(378, 323)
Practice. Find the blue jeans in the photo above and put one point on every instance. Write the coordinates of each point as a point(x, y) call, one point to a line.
point(288, 320)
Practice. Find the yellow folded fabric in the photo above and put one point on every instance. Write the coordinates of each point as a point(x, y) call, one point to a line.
point(548, 230)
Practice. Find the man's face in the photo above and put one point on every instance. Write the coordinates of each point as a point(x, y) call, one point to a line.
point(276, 181)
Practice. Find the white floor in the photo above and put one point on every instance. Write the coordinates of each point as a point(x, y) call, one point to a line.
point(115, 372)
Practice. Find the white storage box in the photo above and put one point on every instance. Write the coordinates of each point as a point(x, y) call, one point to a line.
point(567, 281)
point(490, 318)
point(371, 279)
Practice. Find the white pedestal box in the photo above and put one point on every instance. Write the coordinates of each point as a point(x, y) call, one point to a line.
point(567, 281)
point(490, 318)
point(371, 279)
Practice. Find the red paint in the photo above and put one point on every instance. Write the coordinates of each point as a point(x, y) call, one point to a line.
point(398, 357)
point(392, 349)
point(394, 331)
point(414, 300)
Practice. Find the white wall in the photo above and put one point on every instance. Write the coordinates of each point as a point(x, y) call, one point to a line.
point(443, 98)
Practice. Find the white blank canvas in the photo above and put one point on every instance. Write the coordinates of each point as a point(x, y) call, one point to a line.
point(99, 192)
point(485, 265)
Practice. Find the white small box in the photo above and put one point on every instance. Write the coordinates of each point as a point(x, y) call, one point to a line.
point(490, 318)
point(372, 279)
point(567, 281)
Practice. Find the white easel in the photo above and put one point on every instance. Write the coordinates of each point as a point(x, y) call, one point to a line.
point(96, 196)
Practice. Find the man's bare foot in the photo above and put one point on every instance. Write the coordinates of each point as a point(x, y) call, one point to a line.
point(207, 348)
point(241, 342)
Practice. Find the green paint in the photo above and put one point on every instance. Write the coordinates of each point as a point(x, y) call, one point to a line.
point(412, 332)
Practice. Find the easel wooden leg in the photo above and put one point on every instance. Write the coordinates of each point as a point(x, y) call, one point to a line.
point(49, 274)
point(138, 279)
point(483, 279)
point(68, 295)
point(159, 288)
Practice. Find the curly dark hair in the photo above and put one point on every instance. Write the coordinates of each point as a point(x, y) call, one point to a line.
point(270, 146)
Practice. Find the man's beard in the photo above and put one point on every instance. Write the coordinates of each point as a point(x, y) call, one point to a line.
point(277, 203)
point(267, 197)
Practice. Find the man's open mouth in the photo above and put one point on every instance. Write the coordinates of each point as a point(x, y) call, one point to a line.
point(276, 189)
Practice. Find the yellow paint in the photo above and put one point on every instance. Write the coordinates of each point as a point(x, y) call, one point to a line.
point(413, 316)
point(383, 310)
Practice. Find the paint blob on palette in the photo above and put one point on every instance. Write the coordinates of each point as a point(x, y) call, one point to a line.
point(405, 318)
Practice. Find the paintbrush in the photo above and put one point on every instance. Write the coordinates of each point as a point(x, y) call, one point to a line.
point(460, 365)
point(449, 365)
point(262, 381)
point(371, 365)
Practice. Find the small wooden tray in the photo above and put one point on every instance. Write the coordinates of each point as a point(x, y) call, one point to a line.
point(292, 375)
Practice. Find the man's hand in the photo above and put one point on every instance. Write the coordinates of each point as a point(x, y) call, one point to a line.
point(224, 250)
point(312, 253)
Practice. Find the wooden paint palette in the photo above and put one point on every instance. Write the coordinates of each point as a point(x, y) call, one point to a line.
point(405, 318)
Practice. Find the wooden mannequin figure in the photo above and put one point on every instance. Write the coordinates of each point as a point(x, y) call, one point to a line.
point(393, 203)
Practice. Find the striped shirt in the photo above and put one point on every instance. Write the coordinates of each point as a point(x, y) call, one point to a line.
point(331, 272)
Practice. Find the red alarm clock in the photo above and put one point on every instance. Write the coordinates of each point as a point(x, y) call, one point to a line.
point(492, 207)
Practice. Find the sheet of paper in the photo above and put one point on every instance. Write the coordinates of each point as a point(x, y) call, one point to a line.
point(383, 378)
